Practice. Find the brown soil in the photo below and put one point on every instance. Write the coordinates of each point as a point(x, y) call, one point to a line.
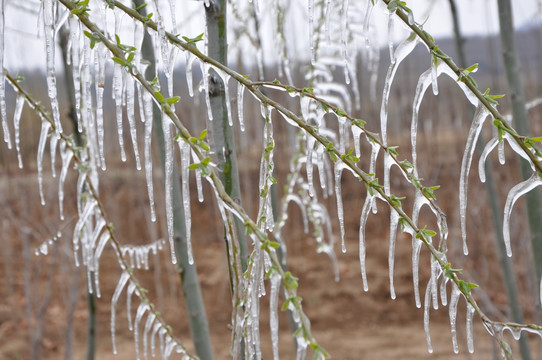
point(348, 322)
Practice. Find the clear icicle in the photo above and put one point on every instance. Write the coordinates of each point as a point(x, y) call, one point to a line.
point(394, 223)
point(53, 142)
point(45, 127)
point(139, 315)
point(188, 72)
point(100, 54)
point(185, 171)
point(369, 200)
point(120, 286)
point(273, 317)
point(17, 126)
point(311, 31)
point(130, 114)
point(147, 104)
point(513, 195)
point(49, 31)
point(117, 95)
point(309, 150)
point(129, 292)
point(434, 75)
point(426, 308)
point(66, 155)
point(491, 144)
point(416, 247)
point(452, 311)
point(402, 51)
point(168, 183)
point(390, 37)
point(475, 129)
point(147, 329)
point(240, 109)
point(3, 112)
point(340, 210)
point(470, 336)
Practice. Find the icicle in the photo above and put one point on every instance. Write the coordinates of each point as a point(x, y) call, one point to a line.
point(369, 200)
point(390, 37)
point(491, 144)
point(45, 127)
point(74, 42)
point(434, 75)
point(470, 337)
point(49, 24)
point(129, 292)
point(475, 129)
point(130, 114)
point(452, 311)
point(16, 125)
point(52, 147)
point(3, 112)
point(327, 18)
point(205, 88)
point(240, 109)
point(188, 72)
point(148, 325)
point(402, 51)
point(394, 222)
point(185, 171)
point(117, 95)
point(426, 308)
point(416, 247)
point(66, 155)
point(273, 315)
point(310, 147)
point(513, 195)
point(118, 290)
point(340, 210)
point(356, 133)
point(147, 103)
point(168, 183)
point(139, 314)
point(344, 28)
point(97, 254)
point(225, 80)
point(311, 31)
point(100, 54)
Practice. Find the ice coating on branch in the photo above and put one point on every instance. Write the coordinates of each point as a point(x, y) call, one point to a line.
point(475, 129)
point(49, 31)
point(402, 51)
point(118, 290)
point(185, 188)
point(45, 127)
point(3, 114)
point(16, 125)
point(240, 108)
point(513, 195)
point(452, 311)
point(168, 147)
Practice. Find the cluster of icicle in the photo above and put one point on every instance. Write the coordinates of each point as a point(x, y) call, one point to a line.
point(426, 79)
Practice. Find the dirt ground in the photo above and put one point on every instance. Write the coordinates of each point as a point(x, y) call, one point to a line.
point(348, 322)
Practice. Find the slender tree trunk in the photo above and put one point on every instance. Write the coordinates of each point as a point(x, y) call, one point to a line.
point(197, 317)
point(221, 131)
point(519, 112)
point(70, 89)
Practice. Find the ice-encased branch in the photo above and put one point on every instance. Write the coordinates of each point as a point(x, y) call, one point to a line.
point(124, 263)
